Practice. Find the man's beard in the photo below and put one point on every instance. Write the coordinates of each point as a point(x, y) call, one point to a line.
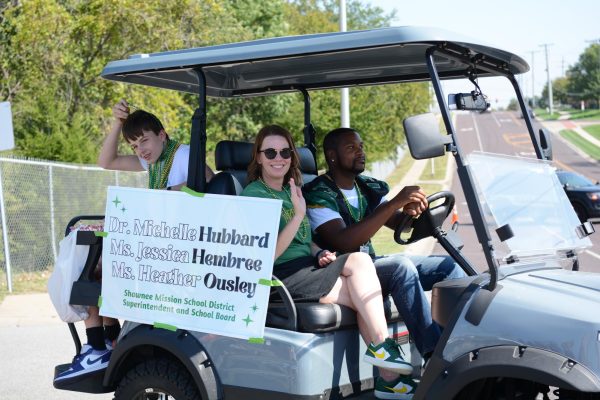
point(358, 168)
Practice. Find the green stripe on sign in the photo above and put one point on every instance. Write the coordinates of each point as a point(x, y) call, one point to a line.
point(268, 282)
point(257, 340)
point(99, 301)
point(100, 233)
point(189, 191)
point(168, 327)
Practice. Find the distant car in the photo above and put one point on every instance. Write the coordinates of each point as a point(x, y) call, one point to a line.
point(583, 194)
point(531, 113)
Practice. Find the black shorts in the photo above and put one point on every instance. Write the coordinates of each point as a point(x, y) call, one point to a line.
point(305, 280)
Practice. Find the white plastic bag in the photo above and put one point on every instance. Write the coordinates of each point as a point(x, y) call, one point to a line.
point(68, 267)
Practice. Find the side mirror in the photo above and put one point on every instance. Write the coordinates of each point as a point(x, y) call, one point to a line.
point(546, 144)
point(424, 137)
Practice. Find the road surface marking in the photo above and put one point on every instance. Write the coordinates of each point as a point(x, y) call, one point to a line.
point(563, 166)
point(591, 253)
point(495, 119)
point(477, 132)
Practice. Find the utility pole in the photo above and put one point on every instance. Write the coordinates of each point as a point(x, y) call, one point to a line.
point(550, 104)
point(345, 103)
point(532, 52)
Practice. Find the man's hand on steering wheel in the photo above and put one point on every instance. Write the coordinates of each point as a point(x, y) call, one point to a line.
point(413, 196)
point(414, 209)
point(432, 218)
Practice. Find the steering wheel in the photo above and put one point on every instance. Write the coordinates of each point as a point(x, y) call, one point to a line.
point(428, 221)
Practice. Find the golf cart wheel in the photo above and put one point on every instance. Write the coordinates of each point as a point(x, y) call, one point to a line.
point(157, 379)
point(580, 211)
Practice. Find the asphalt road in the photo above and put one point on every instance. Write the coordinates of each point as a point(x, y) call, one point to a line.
point(506, 133)
point(32, 341)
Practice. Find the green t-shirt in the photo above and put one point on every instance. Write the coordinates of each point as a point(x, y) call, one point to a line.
point(300, 245)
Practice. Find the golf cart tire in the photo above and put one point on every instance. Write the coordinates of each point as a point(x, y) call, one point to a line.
point(162, 375)
point(526, 363)
point(145, 343)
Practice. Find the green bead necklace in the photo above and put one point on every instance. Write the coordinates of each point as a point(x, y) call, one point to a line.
point(158, 173)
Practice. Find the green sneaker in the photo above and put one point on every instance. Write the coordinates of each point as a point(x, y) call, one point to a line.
point(387, 356)
point(402, 388)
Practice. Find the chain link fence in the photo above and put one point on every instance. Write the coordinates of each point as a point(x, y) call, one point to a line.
point(40, 198)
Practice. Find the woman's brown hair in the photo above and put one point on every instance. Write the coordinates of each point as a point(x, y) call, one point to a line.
point(254, 168)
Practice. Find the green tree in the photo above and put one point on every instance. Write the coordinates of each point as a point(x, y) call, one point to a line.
point(560, 91)
point(584, 76)
point(52, 53)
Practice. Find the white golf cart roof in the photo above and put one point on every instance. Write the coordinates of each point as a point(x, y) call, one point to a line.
point(316, 61)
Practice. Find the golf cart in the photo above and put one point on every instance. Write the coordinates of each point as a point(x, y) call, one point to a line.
point(514, 332)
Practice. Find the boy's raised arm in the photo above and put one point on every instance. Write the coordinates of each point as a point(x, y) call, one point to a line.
point(109, 157)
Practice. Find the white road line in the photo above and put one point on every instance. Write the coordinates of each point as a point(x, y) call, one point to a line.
point(591, 253)
point(466, 129)
point(477, 132)
point(495, 119)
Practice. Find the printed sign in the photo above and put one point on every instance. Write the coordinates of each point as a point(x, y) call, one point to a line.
point(176, 260)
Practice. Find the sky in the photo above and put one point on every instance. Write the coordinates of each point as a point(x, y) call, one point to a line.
point(518, 26)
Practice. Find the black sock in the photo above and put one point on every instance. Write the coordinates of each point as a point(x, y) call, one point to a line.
point(95, 337)
point(111, 332)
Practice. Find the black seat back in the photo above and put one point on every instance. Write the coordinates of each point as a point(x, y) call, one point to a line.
point(224, 183)
point(308, 166)
point(233, 158)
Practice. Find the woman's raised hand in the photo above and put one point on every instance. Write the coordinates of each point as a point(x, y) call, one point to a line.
point(297, 199)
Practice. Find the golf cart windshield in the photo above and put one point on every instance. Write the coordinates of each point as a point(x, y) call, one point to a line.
point(525, 194)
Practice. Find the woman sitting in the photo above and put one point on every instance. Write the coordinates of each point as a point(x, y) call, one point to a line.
point(310, 273)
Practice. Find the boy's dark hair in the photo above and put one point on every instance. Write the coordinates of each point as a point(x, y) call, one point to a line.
point(139, 121)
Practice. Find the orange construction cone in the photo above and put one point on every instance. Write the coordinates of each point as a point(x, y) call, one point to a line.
point(454, 220)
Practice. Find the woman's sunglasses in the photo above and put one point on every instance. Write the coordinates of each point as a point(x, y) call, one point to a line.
point(272, 153)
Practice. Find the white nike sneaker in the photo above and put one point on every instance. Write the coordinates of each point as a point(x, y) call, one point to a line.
point(87, 361)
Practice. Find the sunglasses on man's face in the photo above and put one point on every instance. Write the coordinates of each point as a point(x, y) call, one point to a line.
point(272, 153)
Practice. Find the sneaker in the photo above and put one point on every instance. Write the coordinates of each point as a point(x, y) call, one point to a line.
point(387, 355)
point(403, 388)
point(88, 360)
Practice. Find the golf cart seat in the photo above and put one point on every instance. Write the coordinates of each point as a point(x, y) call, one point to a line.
point(317, 317)
point(232, 159)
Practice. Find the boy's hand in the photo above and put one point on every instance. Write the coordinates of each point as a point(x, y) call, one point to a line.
point(121, 111)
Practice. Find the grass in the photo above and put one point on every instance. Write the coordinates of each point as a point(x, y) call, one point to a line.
point(593, 130)
point(587, 114)
point(587, 147)
point(545, 115)
point(24, 282)
point(384, 243)
point(396, 176)
point(439, 169)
